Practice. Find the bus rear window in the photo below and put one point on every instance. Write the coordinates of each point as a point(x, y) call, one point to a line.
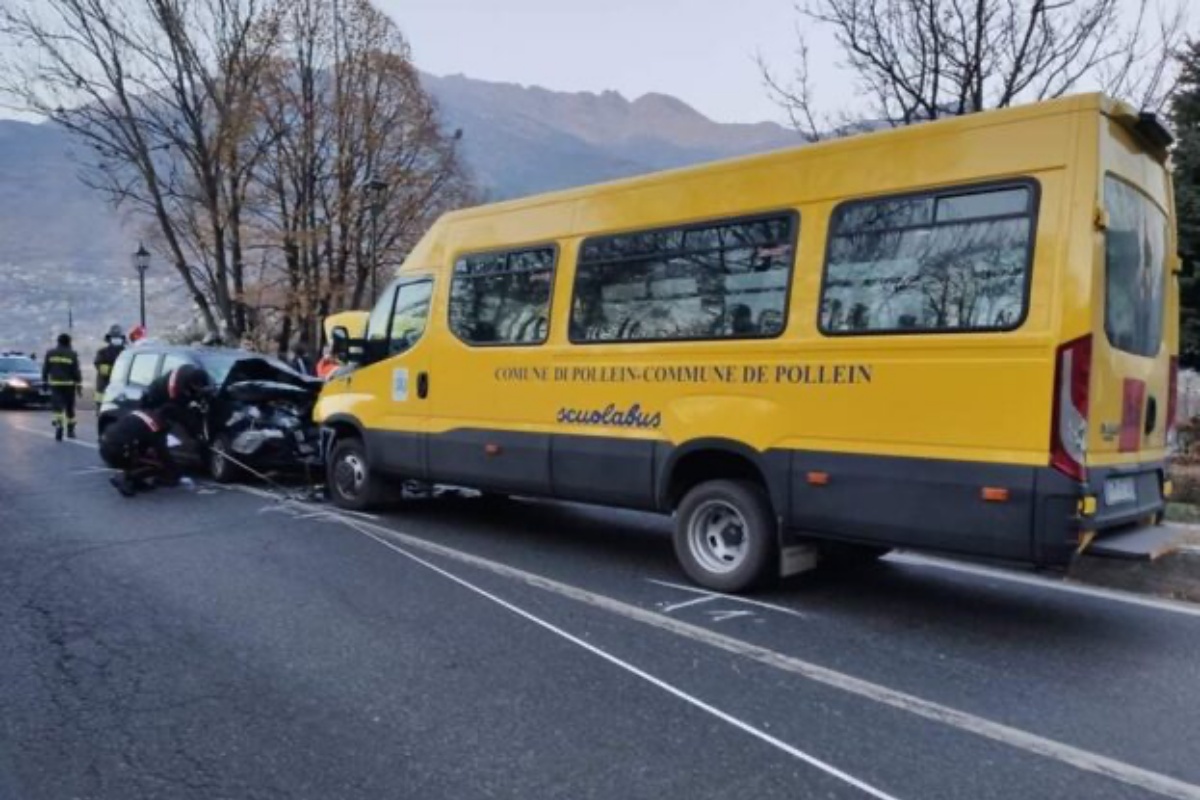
point(1135, 252)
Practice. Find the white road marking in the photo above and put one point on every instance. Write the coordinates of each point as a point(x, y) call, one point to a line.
point(1011, 576)
point(686, 603)
point(727, 614)
point(93, 471)
point(1016, 738)
point(731, 597)
point(692, 700)
point(1079, 758)
point(49, 435)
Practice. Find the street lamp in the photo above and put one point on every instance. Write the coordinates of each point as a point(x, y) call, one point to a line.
point(141, 262)
point(376, 190)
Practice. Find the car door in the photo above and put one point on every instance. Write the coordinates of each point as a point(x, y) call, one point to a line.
point(394, 384)
point(143, 368)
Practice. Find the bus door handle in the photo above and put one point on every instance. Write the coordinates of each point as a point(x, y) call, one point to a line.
point(1151, 414)
point(422, 385)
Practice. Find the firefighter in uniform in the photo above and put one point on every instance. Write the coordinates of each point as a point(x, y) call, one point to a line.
point(60, 369)
point(106, 357)
point(136, 444)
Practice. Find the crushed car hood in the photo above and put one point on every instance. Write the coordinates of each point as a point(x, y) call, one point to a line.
point(257, 379)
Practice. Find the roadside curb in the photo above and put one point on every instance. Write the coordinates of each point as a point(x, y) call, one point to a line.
point(1175, 575)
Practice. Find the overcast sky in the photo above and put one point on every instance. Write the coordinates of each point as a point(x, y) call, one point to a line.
point(701, 51)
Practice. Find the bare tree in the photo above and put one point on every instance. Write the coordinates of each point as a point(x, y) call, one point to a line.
point(159, 94)
point(242, 134)
point(342, 107)
point(917, 60)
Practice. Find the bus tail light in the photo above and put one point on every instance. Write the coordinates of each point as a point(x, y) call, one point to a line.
point(1069, 427)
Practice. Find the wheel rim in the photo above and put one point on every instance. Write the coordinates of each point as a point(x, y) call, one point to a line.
point(350, 475)
point(717, 537)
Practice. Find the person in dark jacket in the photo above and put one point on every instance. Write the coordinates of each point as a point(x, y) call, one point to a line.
point(136, 444)
point(299, 360)
point(106, 357)
point(60, 369)
point(171, 394)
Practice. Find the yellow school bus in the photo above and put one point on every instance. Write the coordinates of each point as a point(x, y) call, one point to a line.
point(959, 336)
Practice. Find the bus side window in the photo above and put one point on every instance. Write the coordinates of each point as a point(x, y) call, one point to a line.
point(956, 260)
point(725, 279)
point(502, 298)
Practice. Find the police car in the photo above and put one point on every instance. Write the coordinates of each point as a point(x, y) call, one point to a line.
point(21, 381)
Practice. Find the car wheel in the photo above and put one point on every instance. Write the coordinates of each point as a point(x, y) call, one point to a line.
point(108, 462)
point(220, 467)
point(726, 537)
point(348, 474)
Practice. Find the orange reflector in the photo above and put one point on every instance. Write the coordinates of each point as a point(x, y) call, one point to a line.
point(994, 494)
point(492, 449)
point(818, 478)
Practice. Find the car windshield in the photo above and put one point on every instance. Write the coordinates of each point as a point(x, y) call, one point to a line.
point(218, 365)
point(10, 364)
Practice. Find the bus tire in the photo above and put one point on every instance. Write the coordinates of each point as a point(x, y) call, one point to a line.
point(726, 536)
point(348, 474)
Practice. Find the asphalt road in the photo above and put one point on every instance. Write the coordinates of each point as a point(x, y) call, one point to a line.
point(226, 643)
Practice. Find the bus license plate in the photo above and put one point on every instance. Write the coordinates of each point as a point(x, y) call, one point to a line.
point(1119, 490)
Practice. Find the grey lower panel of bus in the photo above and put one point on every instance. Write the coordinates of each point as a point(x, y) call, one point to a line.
point(901, 502)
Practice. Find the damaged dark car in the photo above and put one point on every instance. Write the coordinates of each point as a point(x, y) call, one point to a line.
point(258, 420)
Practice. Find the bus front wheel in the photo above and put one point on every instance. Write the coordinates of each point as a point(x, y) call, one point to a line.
point(726, 536)
point(348, 473)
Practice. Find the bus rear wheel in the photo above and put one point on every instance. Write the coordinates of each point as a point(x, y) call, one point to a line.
point(726, 537)
point(351, 482)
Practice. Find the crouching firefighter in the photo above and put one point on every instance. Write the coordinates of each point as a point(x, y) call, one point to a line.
point(60, 369)
point(174, 395)
point(136, 444)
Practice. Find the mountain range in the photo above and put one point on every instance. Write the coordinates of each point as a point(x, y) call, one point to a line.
point(60, 243)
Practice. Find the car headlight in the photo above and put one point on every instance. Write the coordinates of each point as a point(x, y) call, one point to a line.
point(18, 383)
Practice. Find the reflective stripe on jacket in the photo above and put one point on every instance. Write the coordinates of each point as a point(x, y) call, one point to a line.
point(61, 367)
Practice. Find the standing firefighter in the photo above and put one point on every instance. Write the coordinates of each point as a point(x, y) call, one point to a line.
point(60, 370)
point(106, 357)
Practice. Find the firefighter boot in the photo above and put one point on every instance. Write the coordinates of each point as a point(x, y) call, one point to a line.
point(123, 484)
point(58, 431)
point(71, 431)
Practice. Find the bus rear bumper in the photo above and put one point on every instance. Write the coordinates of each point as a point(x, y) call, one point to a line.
point(1114, 514)
point(1145, 543)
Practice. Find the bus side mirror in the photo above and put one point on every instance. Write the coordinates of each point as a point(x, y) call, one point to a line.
point(343, 348)
point(339, 341)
